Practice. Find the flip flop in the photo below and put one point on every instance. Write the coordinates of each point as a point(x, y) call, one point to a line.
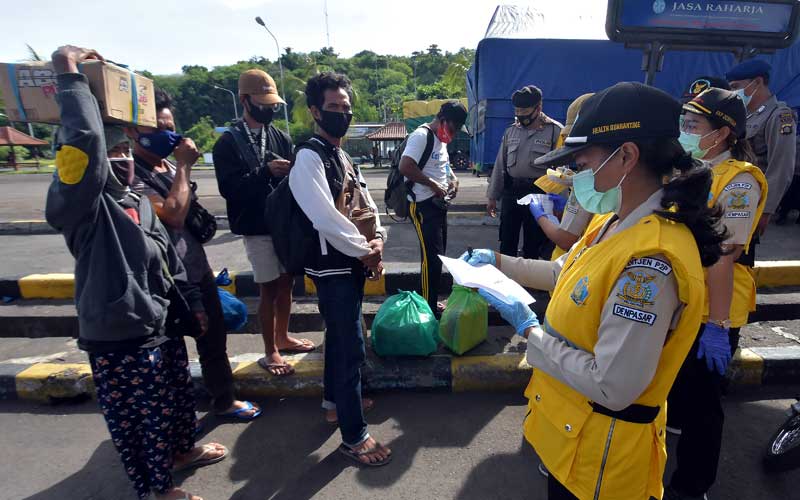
point(308, 346)
point(269, 367)
point(364, 408)
point(200, 461)
point(239, 413)
point(354, 455)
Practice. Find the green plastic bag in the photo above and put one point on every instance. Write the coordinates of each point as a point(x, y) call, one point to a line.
point(465, 321)
point(404, 326)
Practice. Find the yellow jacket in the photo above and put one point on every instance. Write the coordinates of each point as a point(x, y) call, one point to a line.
point(744, 286)
point(594, 455)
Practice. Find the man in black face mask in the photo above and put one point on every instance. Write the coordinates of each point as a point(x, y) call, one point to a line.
point(250, 159)
point(325, 185)
point(532, 135)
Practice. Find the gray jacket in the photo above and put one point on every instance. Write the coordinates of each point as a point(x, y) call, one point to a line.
point(120, 286)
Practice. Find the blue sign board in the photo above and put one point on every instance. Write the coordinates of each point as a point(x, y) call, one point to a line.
point(760, 17)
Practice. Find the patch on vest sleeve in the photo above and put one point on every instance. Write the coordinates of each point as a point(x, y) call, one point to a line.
point(787, 129)
point(633, 314)
point(737, 215)
point(637, 288)
point(656, 264)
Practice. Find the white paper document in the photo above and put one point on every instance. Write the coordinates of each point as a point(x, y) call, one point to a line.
point(488, 278)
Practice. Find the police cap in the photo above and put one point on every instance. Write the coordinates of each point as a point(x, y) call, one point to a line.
point(749, 70)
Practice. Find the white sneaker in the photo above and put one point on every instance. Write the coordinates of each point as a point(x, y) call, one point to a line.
point(675, 431)
point(543, 470)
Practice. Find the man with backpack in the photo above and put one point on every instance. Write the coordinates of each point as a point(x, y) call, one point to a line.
point(425, 164)
point(250, 159)
point(346, 244)
point(169, 188)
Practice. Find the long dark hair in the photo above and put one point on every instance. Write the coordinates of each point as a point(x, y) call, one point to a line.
point(685, 193)
point(741, 149)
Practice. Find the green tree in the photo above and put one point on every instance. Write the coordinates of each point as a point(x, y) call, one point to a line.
point(202, 133)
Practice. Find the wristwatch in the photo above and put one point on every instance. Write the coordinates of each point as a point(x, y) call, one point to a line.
point(725, 323)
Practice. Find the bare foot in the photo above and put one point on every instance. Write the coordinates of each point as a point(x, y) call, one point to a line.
point(366, 405)
point(177, 494)
point(275, 365)
point(291, 344)
point(377, 452)
point(199, 456)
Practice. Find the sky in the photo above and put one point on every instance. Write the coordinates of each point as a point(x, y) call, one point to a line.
point(163, 35)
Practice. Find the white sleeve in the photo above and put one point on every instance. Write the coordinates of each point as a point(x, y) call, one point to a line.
point(415, 146)
point(310, 189)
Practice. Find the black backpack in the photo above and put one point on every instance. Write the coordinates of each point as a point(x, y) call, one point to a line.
point(199, 221)
point(293, 234)
point(398, 189)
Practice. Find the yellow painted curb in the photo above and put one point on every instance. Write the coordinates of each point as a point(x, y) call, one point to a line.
point(47, 286)
point(232, 287)
point(371, 288)
point(43, 381)
point(777, 273)
point(253, 381)
point(747, 368)
point(483, 373)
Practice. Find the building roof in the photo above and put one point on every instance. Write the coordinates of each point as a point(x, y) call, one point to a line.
point(9, 136)
point(393, 131)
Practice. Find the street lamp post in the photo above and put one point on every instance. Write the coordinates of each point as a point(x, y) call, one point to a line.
point(280, 65)
point(233, 96)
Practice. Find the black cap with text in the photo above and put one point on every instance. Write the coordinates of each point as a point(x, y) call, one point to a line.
point(722, 108)
point(624, 112)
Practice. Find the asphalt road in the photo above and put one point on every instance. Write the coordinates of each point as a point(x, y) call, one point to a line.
point(446, 446)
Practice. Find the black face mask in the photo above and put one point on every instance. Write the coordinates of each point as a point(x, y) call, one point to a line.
point(261, 114)
point(526, 120)
point(335, 123)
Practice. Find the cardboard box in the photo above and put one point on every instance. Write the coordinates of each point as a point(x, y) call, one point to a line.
point(29, 90)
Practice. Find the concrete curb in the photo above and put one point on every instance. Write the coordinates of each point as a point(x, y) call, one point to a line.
point(61, 286)
point(465, 218)
point(50, 382)
point(37, 320)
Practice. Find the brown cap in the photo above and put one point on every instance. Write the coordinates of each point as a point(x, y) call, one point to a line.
point(260, 87)
point(572, 113)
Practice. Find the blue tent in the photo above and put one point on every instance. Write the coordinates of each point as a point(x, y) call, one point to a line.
point(565, 69)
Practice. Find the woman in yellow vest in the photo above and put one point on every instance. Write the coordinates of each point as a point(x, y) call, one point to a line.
point(627, 299)
point(713, 129)
point(575, 219)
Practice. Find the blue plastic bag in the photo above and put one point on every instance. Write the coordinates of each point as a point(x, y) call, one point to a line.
point(233, 309)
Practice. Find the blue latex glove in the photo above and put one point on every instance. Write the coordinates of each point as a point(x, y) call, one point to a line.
point(537, 210)
point(479, 256)
point(559, 202)
point(518, 314)
point(715, 346)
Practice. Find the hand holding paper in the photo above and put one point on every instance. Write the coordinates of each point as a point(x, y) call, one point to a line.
point(488, 278)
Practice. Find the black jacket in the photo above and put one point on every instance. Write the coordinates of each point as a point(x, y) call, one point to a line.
point(245, 186)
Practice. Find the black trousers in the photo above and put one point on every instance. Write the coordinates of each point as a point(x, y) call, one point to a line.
point(695, 406)
point(213, 350)
point(535, 244)
point(790, 200)
point(430, 222)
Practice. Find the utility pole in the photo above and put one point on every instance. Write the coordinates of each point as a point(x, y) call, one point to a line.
point(327, 27)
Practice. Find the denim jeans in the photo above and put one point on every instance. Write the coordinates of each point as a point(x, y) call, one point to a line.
point(340, 305)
